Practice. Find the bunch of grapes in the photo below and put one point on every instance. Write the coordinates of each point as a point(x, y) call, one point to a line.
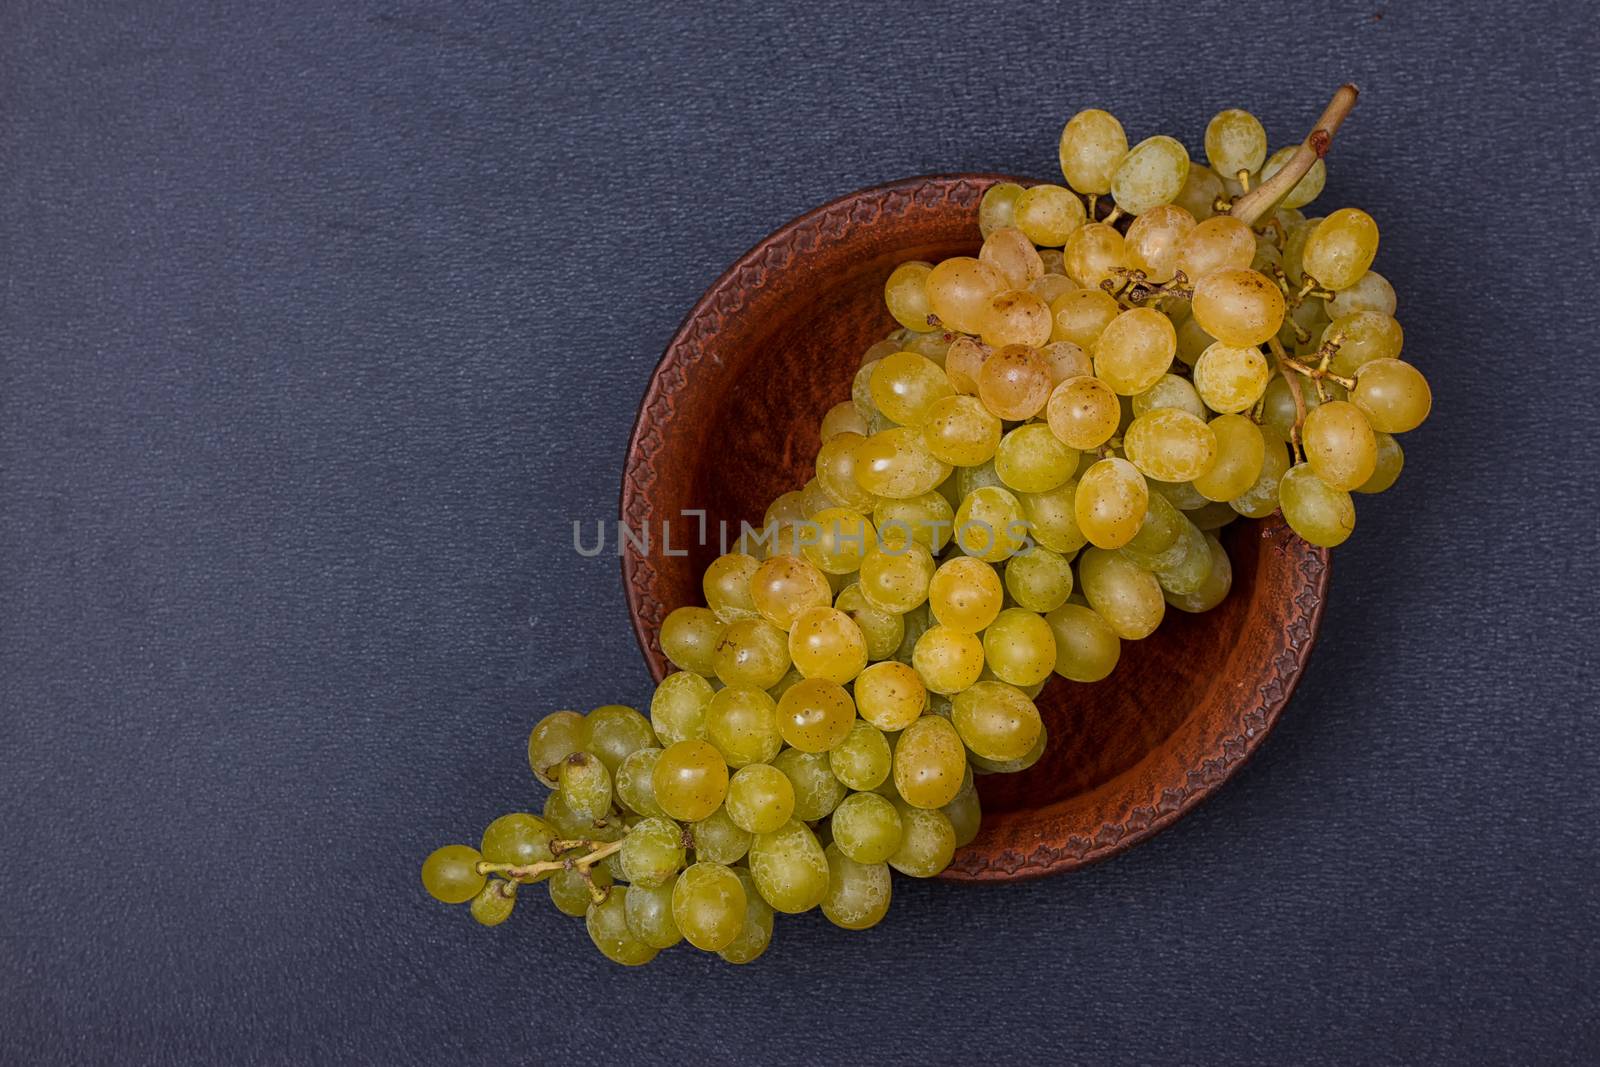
point(1030, 471)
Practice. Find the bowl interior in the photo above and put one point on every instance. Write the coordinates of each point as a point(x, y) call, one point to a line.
point(731, 420)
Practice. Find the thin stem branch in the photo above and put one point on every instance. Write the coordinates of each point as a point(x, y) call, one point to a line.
point(534, 870)
point(1249, 207)
point(1285, 362)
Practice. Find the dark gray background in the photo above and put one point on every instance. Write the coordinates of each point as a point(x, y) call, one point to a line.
point(320, 321)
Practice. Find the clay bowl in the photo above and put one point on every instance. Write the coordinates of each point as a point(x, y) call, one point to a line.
point(730, 421)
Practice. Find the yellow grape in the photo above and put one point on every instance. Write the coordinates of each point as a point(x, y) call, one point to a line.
point(742, 724)
point(726, 585)
point(1170, 445)
point(841, 538)
point(1083, 412)
point(1241, 451)
point(1032, 459)
point(965, 594)
point(890, 695)
point(836, 472)
point(1170, 391)
point(1020, 649)
point(959, 290)
point(1016, 317)
point(1093, 253)
point(1240, 307)
point(896, 463)
point(962, 362)
point(753, 652)
point(1230, 378)
point(1037, 578)
point(1370, 292)
point(907, 296)
point(815, 714)
point(1052, 286)
point(1066, 360)
point(1294, 246)
point(1126, 595)
point(927, 519)
point(863, 759)
point(1192, 340)
point(760, 798)
point(689, 638)
point(947, 660)
point(1081, 315)
point(784, 587)
point(842, 418)
point(997, 721)
point(1339, 444)
point(998, 207)
point(690, 780)
point(904, 385)
point(858, 893)
point(1087, 648)
point(1014, 382)
point(1151, 174)
point(1393, 394)
point(990, 524)
point(1363, 336)
point(884, 630)
point(1047, 214)
point(826, 643)
point(896, 578)
point(1135, 350)
point(1261, 499)
point(1316, 511)
point(1092, 144)
point(1341, 248)
point(1110, 503)
point(1200, 192)
point(1235, 141)
point(1391, 458)
point(1214, 589)
point(929, 762)
point(1009, 251)
point(1220, 243)
point(1153, 240)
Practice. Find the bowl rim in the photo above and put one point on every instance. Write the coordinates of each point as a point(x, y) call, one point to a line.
point(1240, 733)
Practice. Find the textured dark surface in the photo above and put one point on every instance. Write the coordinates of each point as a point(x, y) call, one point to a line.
point(319, 323)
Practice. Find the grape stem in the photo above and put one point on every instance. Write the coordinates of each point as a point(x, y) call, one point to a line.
point(533, 870)
point(1294, 390)
point(1251, 206)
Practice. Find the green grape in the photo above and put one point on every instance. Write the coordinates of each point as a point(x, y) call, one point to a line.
point(1220, 243)
point(1092, 144)
point(1110, 503)
point(1019, 648)
point(997, 209)
point(990, 524)
point(959, 289)
point(635, 782)
point(1124, 594)
point(1047, 214)
point(689, 638)
point(906, 295)
point(1151, 174)
point(690, 779)
point(450, 874)
point(789, 868)
point(754, 652)
point(756, 933)
point(1016, 317)
point(1039, 579)
point(916, 624)
point(678, 708)
point(998, 721)
point(1200, 192)
point(1008, 251)
point(1241, 452)
point(1066, 359)
point(718, 839)
point(1153, 240)
point(1341, 248)
point(1317, 512)
point(1192, 341)
point(890, 695)
point(904, 385)
point(836, 472)
point(929, 761)
point(1014, 382)
point(1306, 189)
point(1294, 246)
point(962, 362)
point(863, 759)
point(815, 714)
point(861, 384)
point(826, 643)
point(1240, 307)
point(786, 507)
point(1170, 445)
point(1135, 350)
point(653, 852)
point(1261, 499)
point(742, 726)
point(927, 843)
point(726, 585)
point(813, 498)
point(1170, 391)
point(866, 827)
point(607, 923)
point(518, 838)
point(615, 731)
point(570, 893)
point(648, 912)
point(1081, 315)
point(896, 579)
point(925, 519)
point(585, 785)
point(1214, 515)
point(841, 538)
point(984, 766)
point(1219, 579)
point(882, 630)
point(1370, 292)
point(896, 463)
point(965, 812)
point(567, 822)
point(969, 480)
point(1235, 141)
point(1032, 459)
point(1278, 407)
point(1157, 531)
point(1181, 495)
point(816, 791)
point(1052, 518)
point(1394, 396)
point(841, 418)
point(760, 798)
point(492, 906)
point(947, 660)
point(858, 893)
point(1339, 444)
point(1188, 571)
point(1082, 412)
point(708, 906)
point(1363, 336)
point(554, 738)
point(1231, 379)
point(1386, 469)
point(1087, 648)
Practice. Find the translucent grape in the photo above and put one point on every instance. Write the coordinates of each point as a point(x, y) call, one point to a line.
point(896, 578)
point(690, 779)
point(904, 385)
point(1052, 286)
point(708, 905)
point(890, 695)
point(1214, 590)
point(1317, 512)
point(841, 538)
point(896, 463)
point(1092, 144)
point(866, 827)
point(718, 839)
point(1047, 214)
point(1192, 340)
point(826, 644)
point(1135, 350)
point(1016, 317)
point(1039, 579)
point(926, 519)
point(1020, 649)
point(1240, 307)
point(965, 594)
point(858, 893)
point(933, 344)
point(998, 721)
point(742, 726)
point(836, 472)
point(1370, 292)
point(1235, 141)
point(585, 785)
point(1363, 336)
point(1066, 360)
point(1170, 391)
point(756, 933)
point(635, 782)
point(1009, 251)
point(1241, 451)
point(784, 588)
point(494, 902)
point(1110, 503)
point(962, 363)
point(1087, 648)
point(1229, 378)
point(450, 874)
point(554, 738)
point(1261, 499)
point(863, 759)
point(1170, 445)
point(1125, 595)
point(1154, 239)
point(965, 812)
point(959, 289)
point(927, 842)
point(947, 660)
point(1307, 188)
point(1341, 248)
point(1394, 395)
point(1339, 445)
point(607, 923)
point(563, 818)
point(1184, 574)
point(1294, 247)
point(1083, 412)
point(648, 913)
point(726, 585)
point(1278, 407)
point(615, 731)
point(689, 638)
point(1014, 382)
point(968, 480)
point(570, 893)
point(842, 418)
point(755, 653)
point(1081, 315)
point(1031, 459)
point(882, 630)
point(814, 715)
point(760, 798)
point(789, 868)
point(1200, 192)
point(990, 524)
point(1151, 174)
point(907, 296)
point(929, 761)
point(653, 852)
point(816, 791)
point(1093, 253)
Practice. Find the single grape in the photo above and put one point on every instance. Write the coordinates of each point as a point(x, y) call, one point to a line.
point(959, 290)
point(708, 905)
point(1261, 499)
point(450, 874)
point(1307, 188)
point(689, 638)
point(1135, 350)
point(1393, 395)
point(929, 761)
point(1241, 452)
point(1192, 340)
point(742, 725)
point(607, 923)
point(996, 720)
point(1052, 286)
point(1190, 565)
point(1200, 192)
point(1110, 503)
point(567, 822)
point(1083, 412)
point(947, 660)
point(1087, 648)
point(990, 524)
point(726, 584)
point(826, 643)
point(1154, 239)
point(1339, 445)
point(1362, 336)
point(997, 209)
point(926, 519)
point(841, 418)
point(1032, 459)
point(905, 384)
point(1092, 144)
point(1170, 445)
point(615, 731)
point(1341, 248)
point(570, 893)
point(492, 906)
point(753, 652)
point(760, 798)
point(1229, 378)
point(1009, 251)
point(836, 472)
point(1316, 511)
point(554, 738)
point(962, 362)
point(789, 868)
point(1236, 141)
point(1019, 647)
point(890, 695)
point(1294, 246)
point(840, 538)
point(896, 463)
point(816, 791)
point(815, 714)
point(1066, 360)
point(1241, 307)
point(863, 759)
point(649, 915)
point(1039, 579)
point(518, 838)
point(927, 843)
point(1219, 579)
point(1151, 174)
point(784, 588)
point(1014, 382)
point(1170, 391)
point(896, 579)
point(1081, 315)
point(1124, 594)
point(718, 839)
point(1386, 471)
point(585, 785)
point(961, 431)
point(653, 852)
point(866, 827)
point(690, 780)
point(1016, 317)
point(635, 782)
point(1220, 243)
point(1047, 214)
point(1092, 255)
point(907, 296)
point(756, 933)
point(858, 893)
point(1370, 292)
point(882, 630)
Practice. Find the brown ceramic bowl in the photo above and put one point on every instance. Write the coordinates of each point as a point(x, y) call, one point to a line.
point(730, 421)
